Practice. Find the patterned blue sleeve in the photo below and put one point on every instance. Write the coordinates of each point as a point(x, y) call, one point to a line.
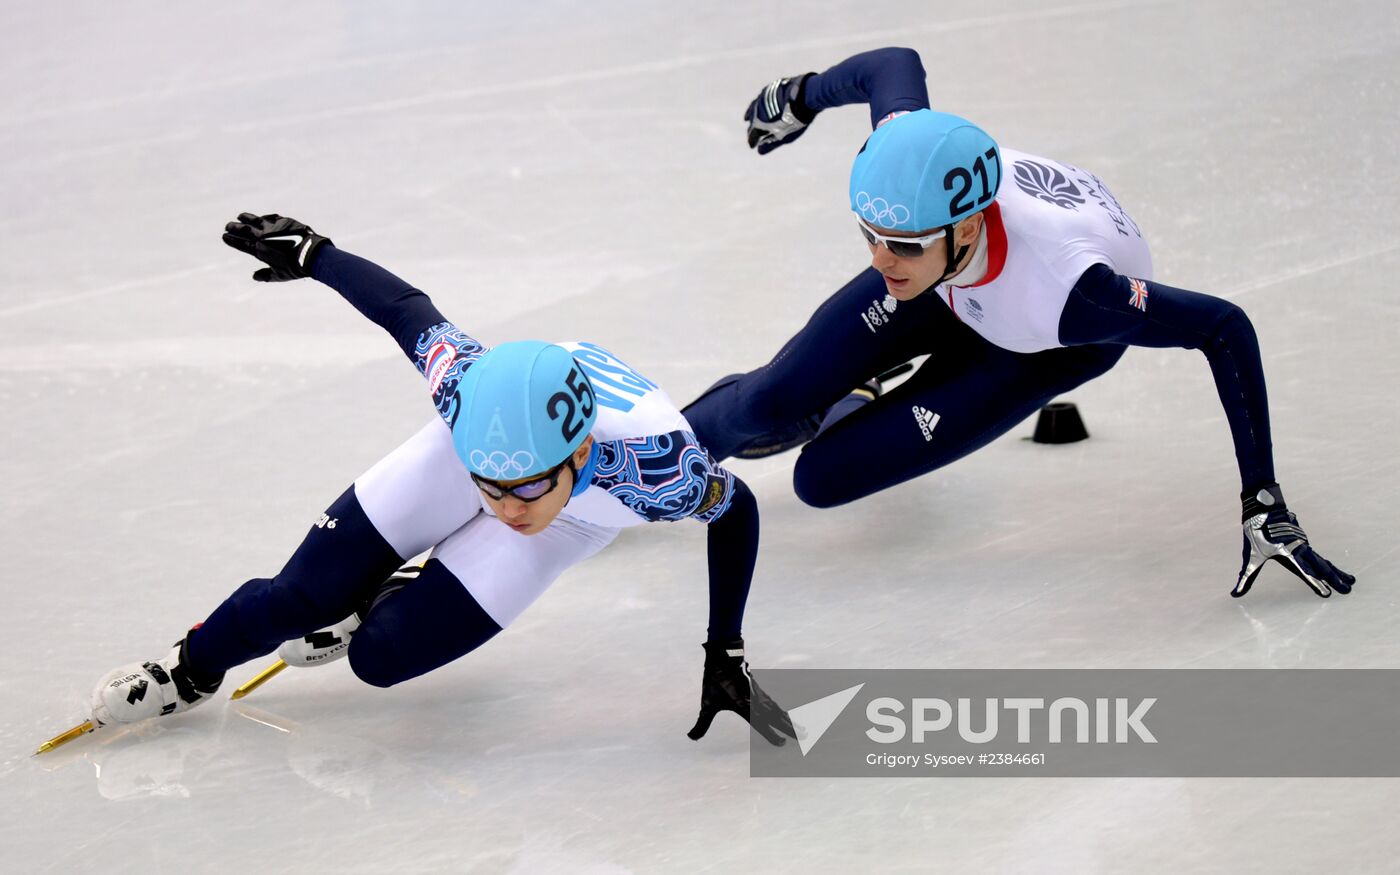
point(665, 477)
point(442, 354)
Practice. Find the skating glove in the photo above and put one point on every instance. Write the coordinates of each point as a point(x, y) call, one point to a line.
point(778, 116)
point(729, 687)
point(1271, 531)
point(285, 245)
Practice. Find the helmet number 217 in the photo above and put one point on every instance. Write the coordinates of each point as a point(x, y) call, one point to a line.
point(962, 179)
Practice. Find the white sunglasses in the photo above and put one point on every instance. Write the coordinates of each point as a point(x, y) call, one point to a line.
point(901, 247)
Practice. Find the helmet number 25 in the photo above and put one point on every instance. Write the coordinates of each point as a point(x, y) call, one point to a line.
point(959, 177)
point(573, 416)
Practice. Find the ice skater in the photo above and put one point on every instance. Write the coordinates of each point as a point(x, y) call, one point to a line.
point(1023, 277)
point(540, 454)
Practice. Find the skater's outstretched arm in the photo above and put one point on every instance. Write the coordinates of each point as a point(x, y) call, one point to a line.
point(732, 551)
point(441, 351)
point(888, 80)
point(1106, 307)
point(388, 301)
point(727, 685)
point(729, 507)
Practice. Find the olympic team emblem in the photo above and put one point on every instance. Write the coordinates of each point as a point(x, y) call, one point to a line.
point(1048, 184)
point(880, 212)
point(437, 363)
point(1139, 296)
point(498, 465)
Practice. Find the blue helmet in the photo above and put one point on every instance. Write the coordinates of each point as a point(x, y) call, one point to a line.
point(523, 407)
point(924, 170)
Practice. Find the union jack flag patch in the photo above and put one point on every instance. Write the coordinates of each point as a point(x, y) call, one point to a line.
point(1139, 297)
point(892, 116)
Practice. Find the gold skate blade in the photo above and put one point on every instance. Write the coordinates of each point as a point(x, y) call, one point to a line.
point(259, 679)
point(59, 740)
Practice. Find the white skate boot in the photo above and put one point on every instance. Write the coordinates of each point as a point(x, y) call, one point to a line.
point(150, 689)
point(320, 647)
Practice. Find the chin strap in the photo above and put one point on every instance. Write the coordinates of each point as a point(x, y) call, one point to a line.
point(955, 257)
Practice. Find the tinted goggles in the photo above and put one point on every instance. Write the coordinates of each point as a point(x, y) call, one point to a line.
point(900, 247)
point(530, 490)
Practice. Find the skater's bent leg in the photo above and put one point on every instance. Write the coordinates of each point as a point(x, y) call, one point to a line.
point(338, 563)
point(945, 411)
point(476, 583)
point(408, 501)
point(425, 625)
point(850, 338)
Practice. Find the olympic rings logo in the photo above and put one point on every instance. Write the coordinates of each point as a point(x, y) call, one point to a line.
point(880, 211)
point(498, 465)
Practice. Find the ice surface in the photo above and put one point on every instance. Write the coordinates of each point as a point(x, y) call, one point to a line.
point(564, 170)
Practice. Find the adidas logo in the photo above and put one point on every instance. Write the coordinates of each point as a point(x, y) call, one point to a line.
point(927, 421)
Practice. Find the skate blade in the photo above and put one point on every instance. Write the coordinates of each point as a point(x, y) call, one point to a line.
point(259, 679)
point(59, 740)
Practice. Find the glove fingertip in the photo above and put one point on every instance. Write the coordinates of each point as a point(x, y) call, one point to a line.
point(247, 218)
point(263, 276)
point(702, 725)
